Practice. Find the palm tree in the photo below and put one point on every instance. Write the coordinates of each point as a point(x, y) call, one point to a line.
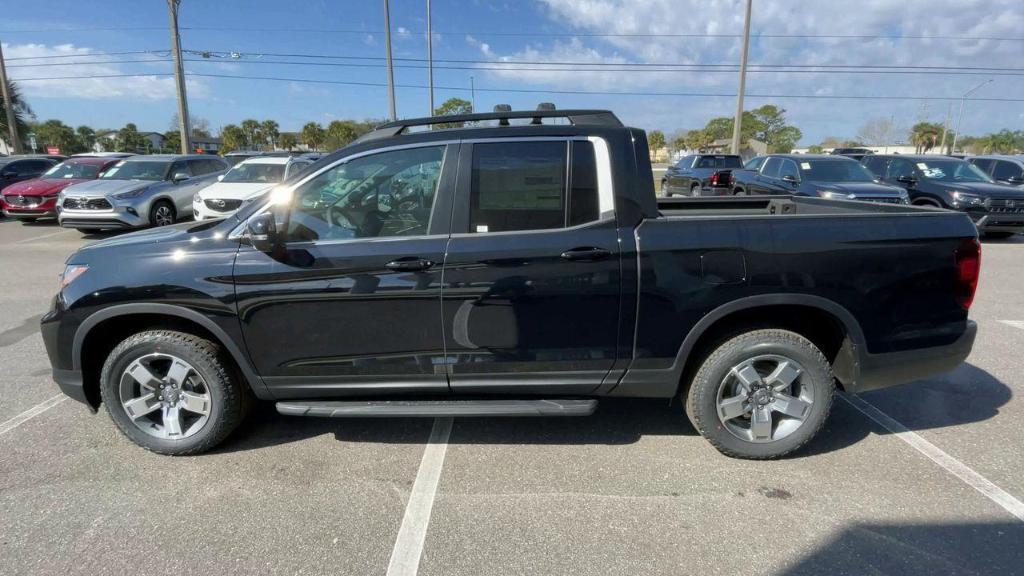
point(270, 131)
point(22, 113)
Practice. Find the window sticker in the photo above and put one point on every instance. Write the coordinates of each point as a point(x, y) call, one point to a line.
point(805, 165)
point(922, 165)
point(481, 227)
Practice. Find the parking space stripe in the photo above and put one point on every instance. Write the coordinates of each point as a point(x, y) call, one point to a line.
point(1014, 323)
point(405, 557)
point(34, 238)
point(937, 455)
point(31, 413)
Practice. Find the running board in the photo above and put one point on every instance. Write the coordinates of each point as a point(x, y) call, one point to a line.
point(436, 408)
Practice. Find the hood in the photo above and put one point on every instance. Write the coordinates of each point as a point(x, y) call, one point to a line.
point(235, 190)
point(100, 188)
point(40, 187)
point(984, 189)
point(866, 189)
point(183, 232)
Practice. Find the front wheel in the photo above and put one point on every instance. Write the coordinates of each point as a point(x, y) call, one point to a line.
point(761, 394)
point(171, 392)
point(664, 189)
point(695, 190)
point(162, 213)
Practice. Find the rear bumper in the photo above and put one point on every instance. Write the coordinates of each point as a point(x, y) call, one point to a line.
point(884, 370)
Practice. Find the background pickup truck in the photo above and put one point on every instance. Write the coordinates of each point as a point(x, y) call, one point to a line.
point(511, 269)
point(700, 175)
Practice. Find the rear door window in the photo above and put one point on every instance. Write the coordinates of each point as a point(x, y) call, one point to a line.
point(1006, 170)
point(900, 168)
point(789, 168)
point(983, 164)
point(771, 167)
point(876, 165)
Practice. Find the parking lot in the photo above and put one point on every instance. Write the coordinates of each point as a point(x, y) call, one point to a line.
point(630, 490)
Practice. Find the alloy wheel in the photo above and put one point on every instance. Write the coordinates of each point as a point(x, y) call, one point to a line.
point(164, 396)
point(763, 399)
point(162, 216)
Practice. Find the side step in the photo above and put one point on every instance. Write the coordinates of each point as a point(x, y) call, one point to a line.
point(436, 408)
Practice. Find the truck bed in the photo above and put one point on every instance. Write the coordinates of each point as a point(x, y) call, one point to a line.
point(779, 205)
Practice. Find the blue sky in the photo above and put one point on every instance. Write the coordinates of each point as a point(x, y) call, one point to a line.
point(482, 30)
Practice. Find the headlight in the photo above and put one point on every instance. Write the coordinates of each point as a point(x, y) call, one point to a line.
point(129, 194)
point(963, 199)
point(833, 195)
point(71, 272)
point(196, 199)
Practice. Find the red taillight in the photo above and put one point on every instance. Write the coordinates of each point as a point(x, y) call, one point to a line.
point(714, 179)
point(732, 180)
point(968, 269)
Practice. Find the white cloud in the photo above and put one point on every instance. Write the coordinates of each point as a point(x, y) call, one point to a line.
point(403, 32)
point(80, 61)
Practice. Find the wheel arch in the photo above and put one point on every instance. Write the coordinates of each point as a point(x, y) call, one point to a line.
point(103, 330)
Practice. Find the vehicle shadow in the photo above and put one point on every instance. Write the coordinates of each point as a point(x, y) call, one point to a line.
point(967, 394)
point(942, 548)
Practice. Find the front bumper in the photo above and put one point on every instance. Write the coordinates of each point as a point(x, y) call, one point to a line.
point(29, 207)
point(118, 217)
point(883, 370)
point(1001, 223)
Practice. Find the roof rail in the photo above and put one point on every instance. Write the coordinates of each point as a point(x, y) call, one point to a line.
point(576, 117)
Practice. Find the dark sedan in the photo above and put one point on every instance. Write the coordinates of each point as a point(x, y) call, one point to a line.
point(824, 176)
point(932, 180)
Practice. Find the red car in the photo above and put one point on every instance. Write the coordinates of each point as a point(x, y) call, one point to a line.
point(37, 198)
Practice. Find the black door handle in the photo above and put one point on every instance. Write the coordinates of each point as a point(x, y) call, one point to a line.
point(409, 264)
point(588, 254)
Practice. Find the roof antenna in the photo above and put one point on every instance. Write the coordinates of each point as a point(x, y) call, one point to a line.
point(542, 107)
point(502, 108)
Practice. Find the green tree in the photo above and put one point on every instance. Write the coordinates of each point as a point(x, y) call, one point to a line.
point(339, 134)
point(22, 114)
point(86, 136)
point(925, 136)
point(313, 135)
point(815, 149)
point(58, 134)
point(172, 142)
point(269, 130)
point(656, 140)
point(251, 128)
point(129, 139)
point(700, 139)
point(233, 138)
point(451, 107)
point(286, 141)
point(773, 130)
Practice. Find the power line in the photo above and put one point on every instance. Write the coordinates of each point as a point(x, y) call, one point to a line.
point(538, 91)
point(93, 54)
point(95, 62)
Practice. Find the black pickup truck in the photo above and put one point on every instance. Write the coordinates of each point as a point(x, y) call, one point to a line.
point(700, 175)
point(510, 269)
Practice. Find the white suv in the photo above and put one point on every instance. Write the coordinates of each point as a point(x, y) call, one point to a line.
point(244, 182)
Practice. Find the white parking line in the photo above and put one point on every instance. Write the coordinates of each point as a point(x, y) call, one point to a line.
point(34, 238)
point(31, 413)
point(1014, 323)
point(935, 454)
point(405, 557)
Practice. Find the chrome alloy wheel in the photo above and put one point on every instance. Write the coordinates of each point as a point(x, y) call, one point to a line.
point(164, 396)
point(162, 216)
point(763, 399)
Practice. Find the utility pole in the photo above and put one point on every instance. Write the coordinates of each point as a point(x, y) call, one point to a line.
point(12, 126)
point(430, 61)
point(391, 73)
point(945, 128)
point(472, 94)
point(184, 126)
point(737, 124)
point(961, 117)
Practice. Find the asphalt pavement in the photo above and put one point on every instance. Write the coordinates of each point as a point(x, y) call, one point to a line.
point(631, 490)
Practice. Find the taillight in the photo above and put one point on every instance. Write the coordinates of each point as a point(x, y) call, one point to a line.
point(732, 180)
point(968, 269)
point(714, 179)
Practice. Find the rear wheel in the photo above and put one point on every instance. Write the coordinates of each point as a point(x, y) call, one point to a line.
point(664, 188)
point(739, 192)
point(695, 190)
point(761, 394)
point(171, 392)
point(162, 213)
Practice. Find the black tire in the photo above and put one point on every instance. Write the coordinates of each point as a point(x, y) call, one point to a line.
point(86, 230)
point(664, 189)
point(230, 398)
point(27, 220)
point(928, 202)
point(739, 192)
point(702, 402)
point(162, 213)
point(695, 190)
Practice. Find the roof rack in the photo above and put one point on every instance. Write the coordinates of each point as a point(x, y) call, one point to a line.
point(576, 117)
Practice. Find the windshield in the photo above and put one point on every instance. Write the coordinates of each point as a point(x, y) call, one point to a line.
point(834, 171)
point(719, 162)
point(72, 170)
point(256, 172)
point(952, 171)
point(145, 170)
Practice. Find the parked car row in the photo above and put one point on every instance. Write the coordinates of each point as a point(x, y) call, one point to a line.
point(990, 189)
point(123, 191)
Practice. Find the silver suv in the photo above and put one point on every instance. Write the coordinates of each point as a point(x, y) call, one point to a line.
point(139, 191)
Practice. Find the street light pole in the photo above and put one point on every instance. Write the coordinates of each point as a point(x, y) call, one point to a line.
point(961, 116)
point(430, 61)
point(472, 95)
point(12, 126)
point(391, 72)
point(737, 124)
point(179, 76)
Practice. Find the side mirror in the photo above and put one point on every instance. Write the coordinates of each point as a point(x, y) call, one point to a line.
point(906, 179)
point(179, 176)
point(791, 179)
point(261, 231)
point(220, 177)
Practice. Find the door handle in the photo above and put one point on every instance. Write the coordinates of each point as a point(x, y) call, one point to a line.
point(588, 254)
point(409, 264)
